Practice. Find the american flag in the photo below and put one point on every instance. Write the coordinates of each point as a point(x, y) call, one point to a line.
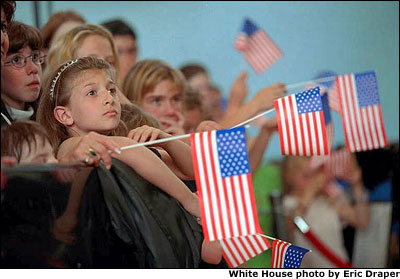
point(301, 124)
point(257, 47)
point(225, 185)
point(286, 255)
point(238, 250)
point(361, 111)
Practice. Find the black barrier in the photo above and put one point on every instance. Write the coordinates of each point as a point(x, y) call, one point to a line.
point(78, 217)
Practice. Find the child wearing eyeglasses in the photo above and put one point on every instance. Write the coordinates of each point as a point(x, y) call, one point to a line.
point(21, 73)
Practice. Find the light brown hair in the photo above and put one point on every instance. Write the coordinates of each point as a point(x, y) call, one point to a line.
point(55, 21)
point(144, 76)
point(62, 93)
point(134, 116)
point(65, 47)
point(14, 136)
point(9, 9)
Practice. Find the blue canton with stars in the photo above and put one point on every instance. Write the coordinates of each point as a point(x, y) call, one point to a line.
point(367, 89)
point(293, 257)
point(232, 152)
point(309, 101)
point(249, 28)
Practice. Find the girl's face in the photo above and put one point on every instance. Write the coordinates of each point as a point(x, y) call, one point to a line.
point(21, 85)
point(94, 104)
point(96, 46)
point(4, 36)
point(165, 101)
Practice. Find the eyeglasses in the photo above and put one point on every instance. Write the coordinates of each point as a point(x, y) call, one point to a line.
point(19, 61)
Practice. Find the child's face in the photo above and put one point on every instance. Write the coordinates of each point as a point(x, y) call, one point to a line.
point(40, 153)
point(94, 104)
point(21, 85)
point(164, 102)
point(96, 46)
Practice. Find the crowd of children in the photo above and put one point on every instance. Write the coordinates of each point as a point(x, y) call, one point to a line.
point(76, 92)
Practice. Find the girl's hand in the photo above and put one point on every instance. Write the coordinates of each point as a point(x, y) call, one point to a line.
point(264, 99)
point(208, 125)
point(91, 149)
point(146, 133)
point(172, 127)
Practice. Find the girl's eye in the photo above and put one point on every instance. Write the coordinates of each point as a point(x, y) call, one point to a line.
point(91, 93)
point(156, 101)
point(112, 90)
point(16, 59)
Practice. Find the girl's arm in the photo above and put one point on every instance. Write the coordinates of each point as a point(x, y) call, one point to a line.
point(176, 154)
point(151, 168)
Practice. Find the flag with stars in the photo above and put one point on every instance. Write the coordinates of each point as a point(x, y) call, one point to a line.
point(301, 124)
point(286, 255)
point(361, 112)
point(257, 47)
point(223, 179)
point(237, 250)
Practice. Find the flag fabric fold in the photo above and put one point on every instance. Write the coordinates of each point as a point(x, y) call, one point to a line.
point(286, 255)
point(301, 124)
point(224, 183)
point(238, 250)
point(257, 47)
point(361, 111)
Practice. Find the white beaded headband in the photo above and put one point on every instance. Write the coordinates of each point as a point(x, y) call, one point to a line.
point(54, 82)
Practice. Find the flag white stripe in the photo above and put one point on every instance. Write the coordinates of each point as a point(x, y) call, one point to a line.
point(203, 186)
point(276, 53)
point(250, 249)
point(256, 246)
point(241, 248)
point(214, 202)
point(283, 255)
point(260, 49)
point(262, 241)
point(289, 118)
point(223, 213)
point(235, 251)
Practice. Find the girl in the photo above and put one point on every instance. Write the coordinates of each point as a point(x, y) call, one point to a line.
point(21, 73)
point(82, 100)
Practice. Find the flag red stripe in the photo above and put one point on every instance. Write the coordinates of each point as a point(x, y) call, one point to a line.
point(316, 136)
point(345, 111)
point(242, 189)
point(239, 228)
point(372, 128)
point(294, 125)
point(253, 203)
point(279, 121)
point(285, 113)
point(303, 139)
point(207, 185)
point(199, 188)
point(324, 132)
point(216, 188)
point(385, 142)
point(310, 145)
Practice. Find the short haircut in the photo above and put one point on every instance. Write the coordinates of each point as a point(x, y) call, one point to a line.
point(22, 35)
point(191, 70)
point(9, 9)
point(119, 27)
point(14, 136)
point(55, 21)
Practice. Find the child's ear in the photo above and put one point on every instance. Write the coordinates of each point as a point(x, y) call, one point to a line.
point(63, 116)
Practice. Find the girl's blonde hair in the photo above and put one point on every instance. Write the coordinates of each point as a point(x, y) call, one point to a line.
point(57, 92)
point(146, 74)
point(134, 116)
point(65, 47)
